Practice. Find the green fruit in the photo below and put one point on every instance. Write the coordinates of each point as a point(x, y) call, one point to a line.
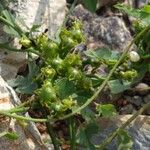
point(58, 64)
point(26, 42)
point(77, 35)
point(72, 60)
point(51, 50)
point(48, 72)
point(46, 93)
point(129, 75)
point(74, 74)
point(68, 43)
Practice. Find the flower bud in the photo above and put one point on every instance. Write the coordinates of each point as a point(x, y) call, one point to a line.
point(134, 56)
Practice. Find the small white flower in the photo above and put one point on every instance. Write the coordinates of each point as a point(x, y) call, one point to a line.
point(134, 56)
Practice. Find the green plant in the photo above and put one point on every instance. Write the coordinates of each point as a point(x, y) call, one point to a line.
point(63, 88)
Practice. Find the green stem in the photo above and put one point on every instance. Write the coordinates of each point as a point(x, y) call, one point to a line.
point(52, 135)
point(114, 134)
point(17, 110)
point(72, 131)
point(49, 127)
point(3, 134)
point(18, 117)
point(109, 75)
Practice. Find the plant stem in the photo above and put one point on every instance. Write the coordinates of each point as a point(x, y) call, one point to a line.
point(20, 109)
point(114, 134)
point(72, 131)
point(3, 134)
point(18, 117)
point(50, 131)
point(52, 135)
point(109, 75)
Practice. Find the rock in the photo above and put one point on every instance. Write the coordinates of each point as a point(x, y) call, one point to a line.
point(141, 3)
point(139, 130)
point(142, 88)
point(110, 31)
point(48, 14)
point(128, 109)
point(135, 100)
point(146, 99)
point(29, 136)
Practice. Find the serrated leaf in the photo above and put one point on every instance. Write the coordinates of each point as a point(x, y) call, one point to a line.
point(64, 88)
point(116, 86)
point(88, 114)
point(124, 140)
point(141, 14)
point(26, 85)
point(107, 110)
point(90, 5)
point(102, 54)
point(84, 137)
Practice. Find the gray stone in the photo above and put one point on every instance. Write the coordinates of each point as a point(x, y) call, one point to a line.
point(47, 13)
point(142, 88)
point(110, 31)
point(29, 136)
point(128, 109)
point(136, 100)
point(139, 130)
point(146, 98)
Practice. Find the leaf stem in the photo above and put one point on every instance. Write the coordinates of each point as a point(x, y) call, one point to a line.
point(114, 134)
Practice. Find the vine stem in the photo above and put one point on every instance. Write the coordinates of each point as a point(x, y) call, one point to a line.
point(145, 30)
point(72, 131)
point(18, 117)
point(52, 135)
point(114, 134)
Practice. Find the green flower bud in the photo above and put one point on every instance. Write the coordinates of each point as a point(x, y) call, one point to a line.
point(26, 42)
point(48, 72)
point(129, 75)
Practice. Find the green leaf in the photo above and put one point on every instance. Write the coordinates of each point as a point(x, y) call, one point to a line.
point(26, 85)
point(107, 110)
point(102, 54)
point(64, 88)
point(117, 87)
point(84, 137)
point(9, 135)
point(11, 31)
point(124, 141)
point(141, 14)
point(88, 114)
point(12, 136)
point(90, 5)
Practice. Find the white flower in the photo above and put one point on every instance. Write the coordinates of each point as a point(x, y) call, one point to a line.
point(134, 56)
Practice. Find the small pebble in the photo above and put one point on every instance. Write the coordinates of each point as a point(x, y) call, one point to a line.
point(128, 109)
point(146, 99)
point(137, 100)
point(142, 88)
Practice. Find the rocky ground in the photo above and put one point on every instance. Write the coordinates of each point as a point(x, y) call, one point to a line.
point(107, 28)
